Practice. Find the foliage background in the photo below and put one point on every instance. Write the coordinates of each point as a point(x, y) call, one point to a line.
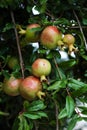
point(66, 97)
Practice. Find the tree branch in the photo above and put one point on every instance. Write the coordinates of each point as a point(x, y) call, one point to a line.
point(57, 68)
point(56, 114)
point(80, 27)
point(18, 45)
point(36, 125)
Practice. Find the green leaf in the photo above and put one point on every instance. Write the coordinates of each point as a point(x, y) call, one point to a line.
point(32, 115)
point(25, 124)
point(62, 114)
point(15, 124)
point(4, 113)
point(42, 114)
point(73, 122)
point(58, 85)
point(7, 27)
point(80, 91)
point(76, 84)
point(84, 21)
point(36, 105)
point(69, 106)
point(21, 122)
point(35, 115)
point(52, 54)
point(63, 21)
point(67, 64)
point(29, 9)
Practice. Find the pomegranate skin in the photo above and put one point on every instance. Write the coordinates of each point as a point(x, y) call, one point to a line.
point(41, 67)
point(31, 34)
point(69, 39)
point(49, 37)
point(29, 88)
point(11, 86)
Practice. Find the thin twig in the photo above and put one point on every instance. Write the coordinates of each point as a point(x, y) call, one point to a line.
point(80, 27)
point(18, 45)
point(56, 114)
point(74, 27)
point(36, 125)
point(57, 68)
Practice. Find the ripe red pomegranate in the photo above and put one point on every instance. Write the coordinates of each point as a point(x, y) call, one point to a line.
point(41, 68)
point(31, 33)
point(50, 36)
point(30, 88)
point(69, 41)
point(11, 86)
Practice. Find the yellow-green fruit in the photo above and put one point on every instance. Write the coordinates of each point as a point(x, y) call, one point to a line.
point(50, 36)
point(32, 34)
point(11, 86)
point(41, 68)
point(30, 88)
point(12, 62)
point(69, 39)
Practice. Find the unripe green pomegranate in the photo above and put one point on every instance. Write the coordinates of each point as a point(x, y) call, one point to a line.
point(69, 41)
point(41, 68)
point(11, 86)
point(30, 88)
point(31, 33)
point(13, 62)
point(50, 36)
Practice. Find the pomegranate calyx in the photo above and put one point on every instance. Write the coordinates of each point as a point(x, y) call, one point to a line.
point(40, 95)
point(43, 78)
point(22, 31)
point(60, 43)
point(71, 48)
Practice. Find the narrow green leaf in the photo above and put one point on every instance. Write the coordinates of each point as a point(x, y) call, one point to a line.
point(62, 114)
point(35, 115)
point(7, 27)
point(67, 64)
point(58, 85)
point(73, 122)
point(36, 105)
point(75, 84)
point(25, 124)
point(69, 105)
point(20, 123)
point(15, 124)
point(80, 92)
point(4, 113)
point(32, 116)
point(84, 20)
point(42, 114)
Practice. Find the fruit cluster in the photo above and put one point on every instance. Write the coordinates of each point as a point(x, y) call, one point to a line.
point(31, 86)
point(50, 37)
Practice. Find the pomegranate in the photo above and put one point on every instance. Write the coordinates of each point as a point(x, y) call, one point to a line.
point(50, 36)
point(30, 88)
point(41, 68)
point(31, 32)
point(11, 86)
point(69, 41)
point(12, 62)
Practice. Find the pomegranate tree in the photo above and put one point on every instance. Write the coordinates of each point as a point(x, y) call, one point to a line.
point(11, 86)
point(41, 68)
point(50, 36)
point(31, 33)
point(31, 88)
point(69, 41)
